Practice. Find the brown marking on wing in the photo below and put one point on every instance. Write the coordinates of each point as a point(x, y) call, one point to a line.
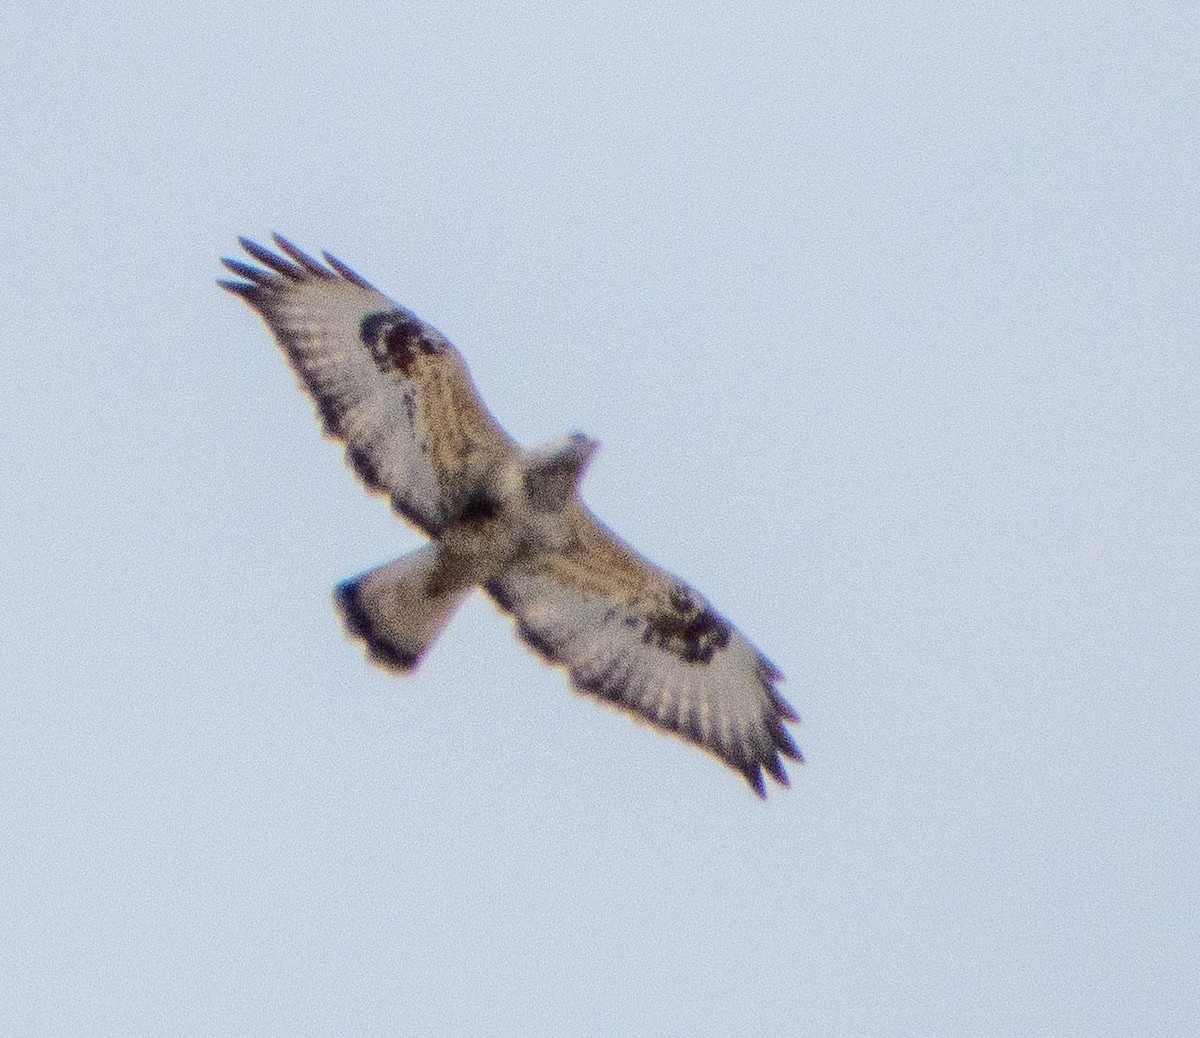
point(458, 429)
point(396, 338)
point(392, 388)
point(677, 665)
point(693, 633)
point(597, 562)
point(676, 619)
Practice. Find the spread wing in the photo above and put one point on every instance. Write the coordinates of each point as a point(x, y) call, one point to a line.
point(635, 636)
point(387, 385)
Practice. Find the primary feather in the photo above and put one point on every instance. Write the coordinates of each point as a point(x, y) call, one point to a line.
point(398, 395)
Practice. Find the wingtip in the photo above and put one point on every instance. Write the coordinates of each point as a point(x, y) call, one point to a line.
point(782, 707)
point(256, 275)
point(779, 740)
point(774, 767)
point(770, 672)
point(754, 777)
point(273, 261)
point(347, 273)
point(298, 255)
point(248, 292)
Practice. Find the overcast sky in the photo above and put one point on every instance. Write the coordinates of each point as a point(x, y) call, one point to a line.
point(885, 315)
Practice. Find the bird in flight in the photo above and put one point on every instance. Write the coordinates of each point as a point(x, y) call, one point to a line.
point(399, 397)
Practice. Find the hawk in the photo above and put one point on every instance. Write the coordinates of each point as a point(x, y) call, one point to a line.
point(398, 396)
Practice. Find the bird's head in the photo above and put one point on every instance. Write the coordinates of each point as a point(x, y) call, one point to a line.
point(553, 473)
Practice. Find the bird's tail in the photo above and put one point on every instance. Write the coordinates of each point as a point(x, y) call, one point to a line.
point(399, 609)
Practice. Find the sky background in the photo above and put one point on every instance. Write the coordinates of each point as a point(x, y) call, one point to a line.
point(885, 315)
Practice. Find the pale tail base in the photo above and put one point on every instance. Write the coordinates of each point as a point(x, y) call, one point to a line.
point(391, 609)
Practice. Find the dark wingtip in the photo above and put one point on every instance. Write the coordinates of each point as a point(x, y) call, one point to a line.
point(250, 293)
point(754, 777)
point(782, 739)
point(782, 707)
point(771, 673)
point(301, 257)
point(293, 265)
point(272, 260)
point(358, 625)
point(774, 767)
point(789, 749)
point(253, 274)
point(347, 274)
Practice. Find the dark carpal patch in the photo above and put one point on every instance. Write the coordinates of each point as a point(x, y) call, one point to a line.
point(694, 632)
point(396, 338)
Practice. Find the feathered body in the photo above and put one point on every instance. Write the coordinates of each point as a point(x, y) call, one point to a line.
point(398, 395)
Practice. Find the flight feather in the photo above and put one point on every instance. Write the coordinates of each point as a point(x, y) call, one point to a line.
point(398, 396)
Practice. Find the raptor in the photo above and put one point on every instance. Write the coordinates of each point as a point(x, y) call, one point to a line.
point(510, 521)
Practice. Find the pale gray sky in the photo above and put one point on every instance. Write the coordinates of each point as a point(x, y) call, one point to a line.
point(886, 317)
